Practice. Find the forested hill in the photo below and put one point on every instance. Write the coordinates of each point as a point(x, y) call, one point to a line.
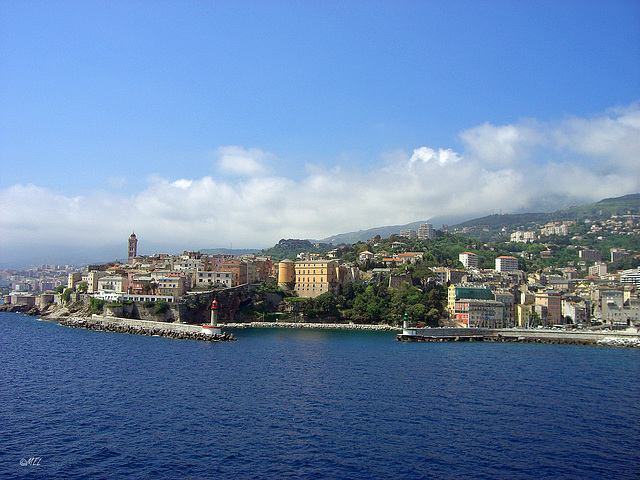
point(489, 228)
point(289, 248)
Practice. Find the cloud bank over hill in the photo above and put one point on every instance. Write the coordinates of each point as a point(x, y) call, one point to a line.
point(244, 201)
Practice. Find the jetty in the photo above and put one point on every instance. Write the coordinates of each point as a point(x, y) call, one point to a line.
point(145, 327)
point(626, 338)
point(316, 326)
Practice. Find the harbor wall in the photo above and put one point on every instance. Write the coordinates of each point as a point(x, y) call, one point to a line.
point(318, 326)
point(626, 338)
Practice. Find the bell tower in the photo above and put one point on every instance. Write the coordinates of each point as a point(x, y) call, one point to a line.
point(133, 248)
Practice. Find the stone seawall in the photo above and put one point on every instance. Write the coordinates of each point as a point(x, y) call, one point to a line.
point(321, 326)
point(626, 339)
point(144, 327)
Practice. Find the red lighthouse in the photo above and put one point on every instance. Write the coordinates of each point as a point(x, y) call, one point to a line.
point(214, 313)
point(213, 328)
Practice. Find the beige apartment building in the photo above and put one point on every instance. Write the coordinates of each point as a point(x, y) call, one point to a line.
point(315, 277)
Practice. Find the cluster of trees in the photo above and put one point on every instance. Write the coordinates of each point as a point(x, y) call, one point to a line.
point(289, 248)
point(440, 251)
point(373, 303)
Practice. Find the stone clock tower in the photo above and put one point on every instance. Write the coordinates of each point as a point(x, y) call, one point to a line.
point(133, 248)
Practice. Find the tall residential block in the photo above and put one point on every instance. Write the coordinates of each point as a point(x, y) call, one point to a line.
point(590, 254)
point(506, 264)
point(619, 254)
point(468, 259)
point(426, 231)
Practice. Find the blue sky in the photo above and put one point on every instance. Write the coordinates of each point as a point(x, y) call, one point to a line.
point(206, 124)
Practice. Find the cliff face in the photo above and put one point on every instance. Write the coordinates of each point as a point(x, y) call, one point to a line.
point(50, 311)
point(196, 309)
point(230, 305)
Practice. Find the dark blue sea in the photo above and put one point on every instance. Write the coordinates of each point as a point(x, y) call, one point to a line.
point(311, 404)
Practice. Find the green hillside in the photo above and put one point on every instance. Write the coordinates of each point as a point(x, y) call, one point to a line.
point(289, 248)
point(490, 228)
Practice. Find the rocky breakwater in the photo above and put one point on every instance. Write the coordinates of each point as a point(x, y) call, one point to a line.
point(619, 342)
point(143, 327)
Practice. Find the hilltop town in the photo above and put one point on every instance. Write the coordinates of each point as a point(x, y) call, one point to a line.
point(557, 274)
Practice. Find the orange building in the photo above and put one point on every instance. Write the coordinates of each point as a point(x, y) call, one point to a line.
point(551, 302)
point(237, 267)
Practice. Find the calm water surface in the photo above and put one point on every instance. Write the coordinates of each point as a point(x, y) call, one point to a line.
point(311, 404)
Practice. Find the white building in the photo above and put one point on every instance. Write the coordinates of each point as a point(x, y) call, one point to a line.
point(426, 231)
point(630, 276)
point(598, 270)
point(575, 311)
point(616, 310)
point(506, 264)
point(468, 259)
point(366, 255)
point(216, 278)
point(523, 237)
point(408, 233)
point(554, 229)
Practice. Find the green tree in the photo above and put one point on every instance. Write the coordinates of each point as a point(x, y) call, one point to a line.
point(66, 295)
point(97, 305)
point(326, 304)
point(161, 306)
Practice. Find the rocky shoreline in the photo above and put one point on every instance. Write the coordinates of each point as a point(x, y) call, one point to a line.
point(30, 310)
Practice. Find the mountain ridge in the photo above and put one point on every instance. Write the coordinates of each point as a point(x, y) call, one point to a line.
point(608, 205)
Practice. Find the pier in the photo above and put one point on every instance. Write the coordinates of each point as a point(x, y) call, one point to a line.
point(570, 337)
point(145, 327)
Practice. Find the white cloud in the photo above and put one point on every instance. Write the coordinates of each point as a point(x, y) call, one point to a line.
point(503, 168)
point(501, 145)
point(239, 161)
point(426, 154)
point(613, 137)
point(182, 183)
